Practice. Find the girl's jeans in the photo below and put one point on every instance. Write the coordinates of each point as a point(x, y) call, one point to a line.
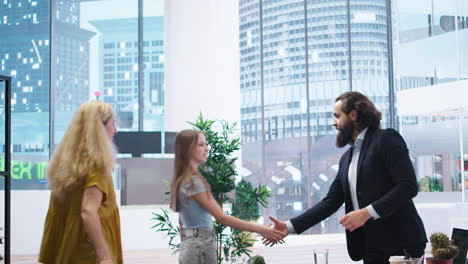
point(198, 246)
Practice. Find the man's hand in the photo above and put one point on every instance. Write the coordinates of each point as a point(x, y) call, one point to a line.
point(355, 219)
point(278, 225)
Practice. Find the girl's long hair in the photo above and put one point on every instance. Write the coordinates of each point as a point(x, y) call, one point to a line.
point(85, 146)
point(184, 143)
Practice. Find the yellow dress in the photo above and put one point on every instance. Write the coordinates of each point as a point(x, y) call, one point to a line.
point(65, 240)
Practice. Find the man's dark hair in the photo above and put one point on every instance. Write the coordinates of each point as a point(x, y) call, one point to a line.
point(367, 114)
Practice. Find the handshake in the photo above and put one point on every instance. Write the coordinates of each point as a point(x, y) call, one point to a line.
point(274, 233)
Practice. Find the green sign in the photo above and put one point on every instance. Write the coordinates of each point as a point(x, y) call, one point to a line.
point(25, 170)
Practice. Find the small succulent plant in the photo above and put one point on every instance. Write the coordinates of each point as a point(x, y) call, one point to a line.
point(257, 260)
point(439, 240)
point(442, 247)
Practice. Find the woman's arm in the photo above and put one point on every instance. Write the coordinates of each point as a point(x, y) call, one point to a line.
point(90, 204)
point(208, 202)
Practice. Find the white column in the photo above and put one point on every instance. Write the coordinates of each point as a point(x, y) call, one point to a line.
point(201, 61)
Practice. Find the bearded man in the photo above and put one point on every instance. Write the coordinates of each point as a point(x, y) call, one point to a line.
point(376, 182)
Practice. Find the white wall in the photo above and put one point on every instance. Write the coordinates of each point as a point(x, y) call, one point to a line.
point(201, 61)
point(30, 207)
point(442, 217)
point(28, 211)
point(136, 226)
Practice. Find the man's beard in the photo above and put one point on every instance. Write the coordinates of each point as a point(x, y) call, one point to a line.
point(345, 134)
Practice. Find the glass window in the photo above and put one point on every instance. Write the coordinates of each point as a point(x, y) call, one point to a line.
point(24, 55)
point(108, 28)
point(153, 89)
point(462, 26)
point(95, 57)
point(431, 29)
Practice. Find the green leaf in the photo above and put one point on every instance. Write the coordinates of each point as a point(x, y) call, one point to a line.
point(165, 225)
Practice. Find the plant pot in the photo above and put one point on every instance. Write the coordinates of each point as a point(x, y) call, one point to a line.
point(438, 261)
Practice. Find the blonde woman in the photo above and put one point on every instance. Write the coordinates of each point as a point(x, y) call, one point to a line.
point(192, 198)
point(83, 222)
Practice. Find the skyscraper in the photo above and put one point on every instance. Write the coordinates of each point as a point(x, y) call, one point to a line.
point(25, 55)
point(119, 69)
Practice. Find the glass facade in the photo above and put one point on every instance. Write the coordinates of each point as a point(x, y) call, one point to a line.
point(90, 50)
point(153, 57)
point(292, 68)
point(298, 56)
point(25, 56)
point(430, 52)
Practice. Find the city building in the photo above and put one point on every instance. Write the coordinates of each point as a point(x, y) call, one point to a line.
point(25, 54)
point(118, 70)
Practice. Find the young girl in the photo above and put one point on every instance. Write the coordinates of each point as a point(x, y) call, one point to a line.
point(192, 198)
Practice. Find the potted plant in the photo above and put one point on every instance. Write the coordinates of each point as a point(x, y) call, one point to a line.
point(220, 172)
point(247, 203)
point(248, 200)
point(443, 250)
point(256, 260)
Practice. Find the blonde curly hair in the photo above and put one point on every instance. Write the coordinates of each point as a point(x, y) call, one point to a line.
point(85, 146)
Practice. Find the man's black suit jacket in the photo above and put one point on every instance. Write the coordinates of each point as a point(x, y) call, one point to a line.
point(385, 179)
